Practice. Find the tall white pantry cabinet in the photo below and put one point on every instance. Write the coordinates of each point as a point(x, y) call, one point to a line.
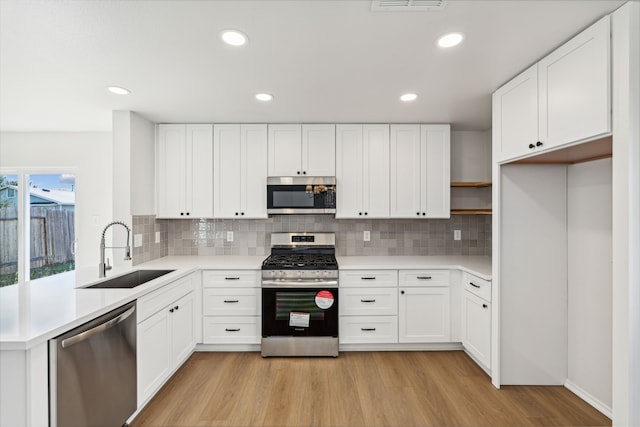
point(566, 157)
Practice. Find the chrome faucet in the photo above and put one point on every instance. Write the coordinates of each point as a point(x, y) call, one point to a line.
point(103, 267)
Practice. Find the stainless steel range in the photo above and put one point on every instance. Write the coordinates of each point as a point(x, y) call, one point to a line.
point(300, 296)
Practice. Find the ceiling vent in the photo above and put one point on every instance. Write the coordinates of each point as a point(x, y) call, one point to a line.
point(407, 5)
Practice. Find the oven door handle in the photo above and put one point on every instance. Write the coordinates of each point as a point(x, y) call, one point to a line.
point(299, 284)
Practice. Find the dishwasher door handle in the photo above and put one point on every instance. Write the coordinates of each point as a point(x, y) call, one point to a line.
point(98, 329)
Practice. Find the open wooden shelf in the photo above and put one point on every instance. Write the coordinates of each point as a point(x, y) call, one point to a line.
point(472, 184)
point(471, 212)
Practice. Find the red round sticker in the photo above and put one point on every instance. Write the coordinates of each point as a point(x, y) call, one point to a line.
point(324, 299)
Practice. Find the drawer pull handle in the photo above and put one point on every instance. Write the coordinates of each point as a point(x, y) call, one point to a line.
point(367, 300)
point(232, 329)
point(230, 301)
point(368, 329)
point(368, 278)
point(474, 285)
point(424, 277)
point(231, 278)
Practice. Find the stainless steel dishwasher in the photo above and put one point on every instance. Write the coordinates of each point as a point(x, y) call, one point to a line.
point(92, 372)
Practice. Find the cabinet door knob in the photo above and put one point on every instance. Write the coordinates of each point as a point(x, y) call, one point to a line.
point(241, 213)
point(532, 146)
point(538, 144)
point(304, 172)
point(177, 307)
point(359, 213)
point(171, 310)
point(402, 292)
point(182, 213)
point(298, 172)
point(484, 305)
point(418, 213)
point(424, 213)
point(187, 213)
point(236, 213)
point(366, 213)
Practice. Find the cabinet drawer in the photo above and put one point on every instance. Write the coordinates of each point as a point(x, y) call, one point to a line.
point(368, 278)
point(477, 286)
point(226, 278)
point(368, 301)
point(230, 330)
point(424, 277)
point(231, 301)
point(156, 300)
point(368, 329)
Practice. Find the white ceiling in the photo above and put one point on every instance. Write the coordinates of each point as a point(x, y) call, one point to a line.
point(331, 61)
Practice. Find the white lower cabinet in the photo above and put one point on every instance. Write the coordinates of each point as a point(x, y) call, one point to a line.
point(166, 334)
point(368, 329)
point(231, 307)
point(368, 306)
point(424, 306)
point(476, 319)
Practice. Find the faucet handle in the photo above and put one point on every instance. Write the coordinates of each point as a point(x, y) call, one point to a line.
point(107, 267)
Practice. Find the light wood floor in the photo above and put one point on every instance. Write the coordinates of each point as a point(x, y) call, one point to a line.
point(376, 389)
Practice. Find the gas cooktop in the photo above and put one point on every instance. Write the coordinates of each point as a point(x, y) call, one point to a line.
point(300, 261)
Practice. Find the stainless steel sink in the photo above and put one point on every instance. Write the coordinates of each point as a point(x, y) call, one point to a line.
point(130, 280)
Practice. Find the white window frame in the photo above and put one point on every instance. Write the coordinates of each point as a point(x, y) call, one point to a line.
point(24, 215)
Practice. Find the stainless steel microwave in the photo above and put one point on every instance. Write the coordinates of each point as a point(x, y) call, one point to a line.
point(301, 195)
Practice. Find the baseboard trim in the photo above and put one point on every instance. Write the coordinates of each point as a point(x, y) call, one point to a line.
point(587, 397)
point(228, 347)
point(401, 347)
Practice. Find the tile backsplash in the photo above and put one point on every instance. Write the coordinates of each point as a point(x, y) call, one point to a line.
point(251, 237)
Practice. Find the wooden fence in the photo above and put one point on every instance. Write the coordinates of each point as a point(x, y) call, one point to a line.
point(52, 238)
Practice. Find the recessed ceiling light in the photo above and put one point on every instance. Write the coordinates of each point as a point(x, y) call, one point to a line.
point(265, 97)
point(408, 97)
point(118, 90)
point(450, 40)
point(234, 37)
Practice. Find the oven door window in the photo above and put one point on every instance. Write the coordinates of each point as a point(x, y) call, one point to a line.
point(299, 312)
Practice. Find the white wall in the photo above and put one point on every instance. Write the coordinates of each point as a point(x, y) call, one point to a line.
point(470, 156)
point(133, 175)
point(626, 211)
point(88, 154)
point(533, 275)
point(589, 219)
point(143, 135)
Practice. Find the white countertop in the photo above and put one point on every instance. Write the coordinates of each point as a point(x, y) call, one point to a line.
point(478, 265)
point(42, 309)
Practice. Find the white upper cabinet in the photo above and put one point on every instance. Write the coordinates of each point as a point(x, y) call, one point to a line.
point(319, 150)
point(515, 115)
point(420, 171)
point(185, 171)
point(240, 181)
point(574, 90)
point(362, 171)
point(564, 98)
point(297, 150)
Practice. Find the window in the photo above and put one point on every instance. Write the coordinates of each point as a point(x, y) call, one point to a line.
point(37, 226)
